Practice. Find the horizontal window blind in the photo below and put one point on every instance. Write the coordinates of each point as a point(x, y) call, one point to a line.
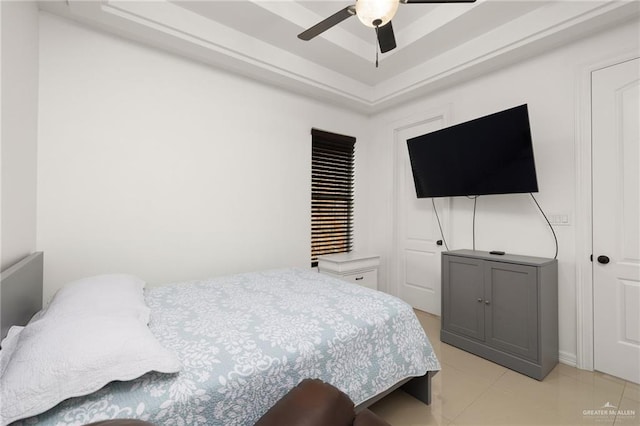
point(332, 169)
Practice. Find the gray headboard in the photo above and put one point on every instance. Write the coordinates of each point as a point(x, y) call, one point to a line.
point(20, 292)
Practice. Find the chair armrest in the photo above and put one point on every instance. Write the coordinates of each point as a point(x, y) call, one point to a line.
point(311, 403)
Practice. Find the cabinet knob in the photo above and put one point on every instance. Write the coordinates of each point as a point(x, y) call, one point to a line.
point(486, 302)
point(480, 299)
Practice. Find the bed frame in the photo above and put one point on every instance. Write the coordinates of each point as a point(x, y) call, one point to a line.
point(418, 387)
point(21, 298)
point(20, 292)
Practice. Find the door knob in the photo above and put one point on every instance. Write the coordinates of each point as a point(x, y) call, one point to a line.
point(603, 259)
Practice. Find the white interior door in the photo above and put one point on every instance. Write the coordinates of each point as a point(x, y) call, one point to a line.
point(418, 253)
point(616, 219)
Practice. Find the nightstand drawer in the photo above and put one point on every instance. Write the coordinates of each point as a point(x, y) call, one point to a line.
point(364, 278)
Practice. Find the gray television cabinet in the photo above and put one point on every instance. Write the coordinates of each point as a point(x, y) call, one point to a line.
point(503, 308)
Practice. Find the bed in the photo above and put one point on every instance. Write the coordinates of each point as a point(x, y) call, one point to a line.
point(244, 340)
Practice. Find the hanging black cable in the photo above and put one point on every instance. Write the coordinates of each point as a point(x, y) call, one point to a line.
point(475, 201)
point(549, 223)
point(377, 37)
point(439, 225)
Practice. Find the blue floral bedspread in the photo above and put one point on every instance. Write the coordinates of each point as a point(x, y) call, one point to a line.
point(245, 340)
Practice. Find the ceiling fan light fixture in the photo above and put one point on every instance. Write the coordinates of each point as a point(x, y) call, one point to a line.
point(374, 13)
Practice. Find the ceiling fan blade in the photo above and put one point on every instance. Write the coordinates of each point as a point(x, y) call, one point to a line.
point(386, 38)
point(324, 25)
point(437, 1)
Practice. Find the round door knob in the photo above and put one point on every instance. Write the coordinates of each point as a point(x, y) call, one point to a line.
point(603, 259)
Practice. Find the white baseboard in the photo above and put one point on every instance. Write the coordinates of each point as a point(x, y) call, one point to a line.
point(567, 358)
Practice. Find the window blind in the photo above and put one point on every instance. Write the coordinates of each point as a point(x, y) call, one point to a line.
point(332, 170)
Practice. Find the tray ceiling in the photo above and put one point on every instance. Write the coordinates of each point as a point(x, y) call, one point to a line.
point(438, 44)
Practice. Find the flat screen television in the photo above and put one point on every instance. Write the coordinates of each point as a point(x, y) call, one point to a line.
point(489, 155)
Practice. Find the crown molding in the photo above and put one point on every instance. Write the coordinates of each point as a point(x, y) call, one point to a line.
point(168, 26)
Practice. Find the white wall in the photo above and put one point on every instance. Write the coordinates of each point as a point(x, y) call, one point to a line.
point(549, 85)
point(169, 169)
point(166, 168)
point(19, 117)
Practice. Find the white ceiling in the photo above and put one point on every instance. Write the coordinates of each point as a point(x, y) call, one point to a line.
point(438, 44)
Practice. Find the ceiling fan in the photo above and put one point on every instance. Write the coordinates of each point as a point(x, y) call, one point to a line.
point(372, 13)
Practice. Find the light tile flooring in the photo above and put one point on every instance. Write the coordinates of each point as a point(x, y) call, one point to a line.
point(470, 390)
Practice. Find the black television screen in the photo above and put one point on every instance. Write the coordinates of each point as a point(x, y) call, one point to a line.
point(488, 155)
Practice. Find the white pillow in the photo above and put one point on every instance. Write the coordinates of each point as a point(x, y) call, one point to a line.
point(8, 345)
point(106, 294)
point(58, 357)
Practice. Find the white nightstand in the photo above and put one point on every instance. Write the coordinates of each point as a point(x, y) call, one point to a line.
point(354, 267)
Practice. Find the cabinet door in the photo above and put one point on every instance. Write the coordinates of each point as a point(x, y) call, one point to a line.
point(511, 308)
point(462, 296)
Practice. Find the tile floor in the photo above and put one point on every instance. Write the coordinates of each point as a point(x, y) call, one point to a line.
point(470, 390)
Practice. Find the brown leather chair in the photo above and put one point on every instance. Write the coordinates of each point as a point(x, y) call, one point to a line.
point(311, 403)
point(316, 403)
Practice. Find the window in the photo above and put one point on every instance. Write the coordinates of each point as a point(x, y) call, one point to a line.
point(332, 166)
